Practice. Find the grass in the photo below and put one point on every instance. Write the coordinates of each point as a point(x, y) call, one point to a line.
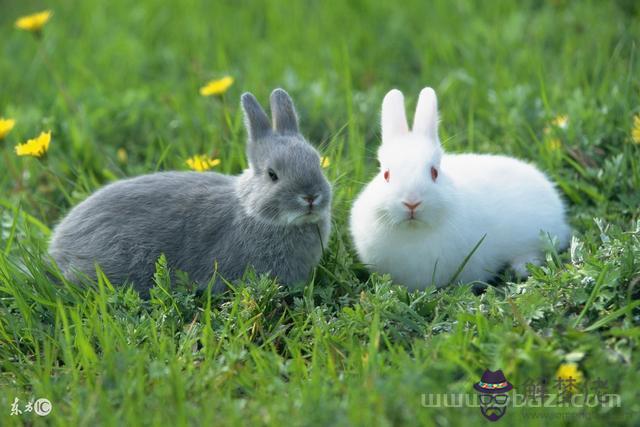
point(346, 348)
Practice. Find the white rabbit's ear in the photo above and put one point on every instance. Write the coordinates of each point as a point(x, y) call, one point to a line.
point(394, 119)
point(425, 121)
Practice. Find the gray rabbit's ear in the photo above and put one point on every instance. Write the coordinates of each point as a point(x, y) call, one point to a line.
point(255, 119)
point(285, 119)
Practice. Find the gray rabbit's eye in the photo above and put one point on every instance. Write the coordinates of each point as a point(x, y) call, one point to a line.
point(272, 175)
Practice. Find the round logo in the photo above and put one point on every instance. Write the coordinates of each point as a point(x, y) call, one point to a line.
point(42, 407)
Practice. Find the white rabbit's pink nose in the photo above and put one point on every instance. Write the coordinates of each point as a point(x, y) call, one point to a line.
point(411, 206)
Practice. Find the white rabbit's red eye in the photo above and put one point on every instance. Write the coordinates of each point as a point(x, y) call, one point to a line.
point(434, 174)
point(386, 175)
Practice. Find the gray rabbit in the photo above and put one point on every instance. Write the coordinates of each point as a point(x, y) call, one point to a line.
point(275, 216)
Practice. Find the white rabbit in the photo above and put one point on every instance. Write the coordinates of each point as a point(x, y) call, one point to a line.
point(425, 211)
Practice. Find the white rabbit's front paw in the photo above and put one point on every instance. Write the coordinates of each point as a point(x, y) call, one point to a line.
point(519, 264)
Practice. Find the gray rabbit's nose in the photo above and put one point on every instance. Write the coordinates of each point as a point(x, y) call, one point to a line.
point(310, 199)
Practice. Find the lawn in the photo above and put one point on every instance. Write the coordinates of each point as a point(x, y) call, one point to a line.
point(117, 83)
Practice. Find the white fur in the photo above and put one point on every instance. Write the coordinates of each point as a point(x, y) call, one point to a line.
point(506, 199)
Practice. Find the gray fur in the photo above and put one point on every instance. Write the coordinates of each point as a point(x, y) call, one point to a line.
point(255, 119)
point(200, 219)
point(285, 119)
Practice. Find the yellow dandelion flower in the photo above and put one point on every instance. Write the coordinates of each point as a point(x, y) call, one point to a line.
point(554, 144)
point(34, 22)
point(325, 162)
point(217, 87)
point(561, 121)
point(570, 371)
point(201, 163)
point(5, 127)
point(35, 147)
point(122, 155)
point(635, 131)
